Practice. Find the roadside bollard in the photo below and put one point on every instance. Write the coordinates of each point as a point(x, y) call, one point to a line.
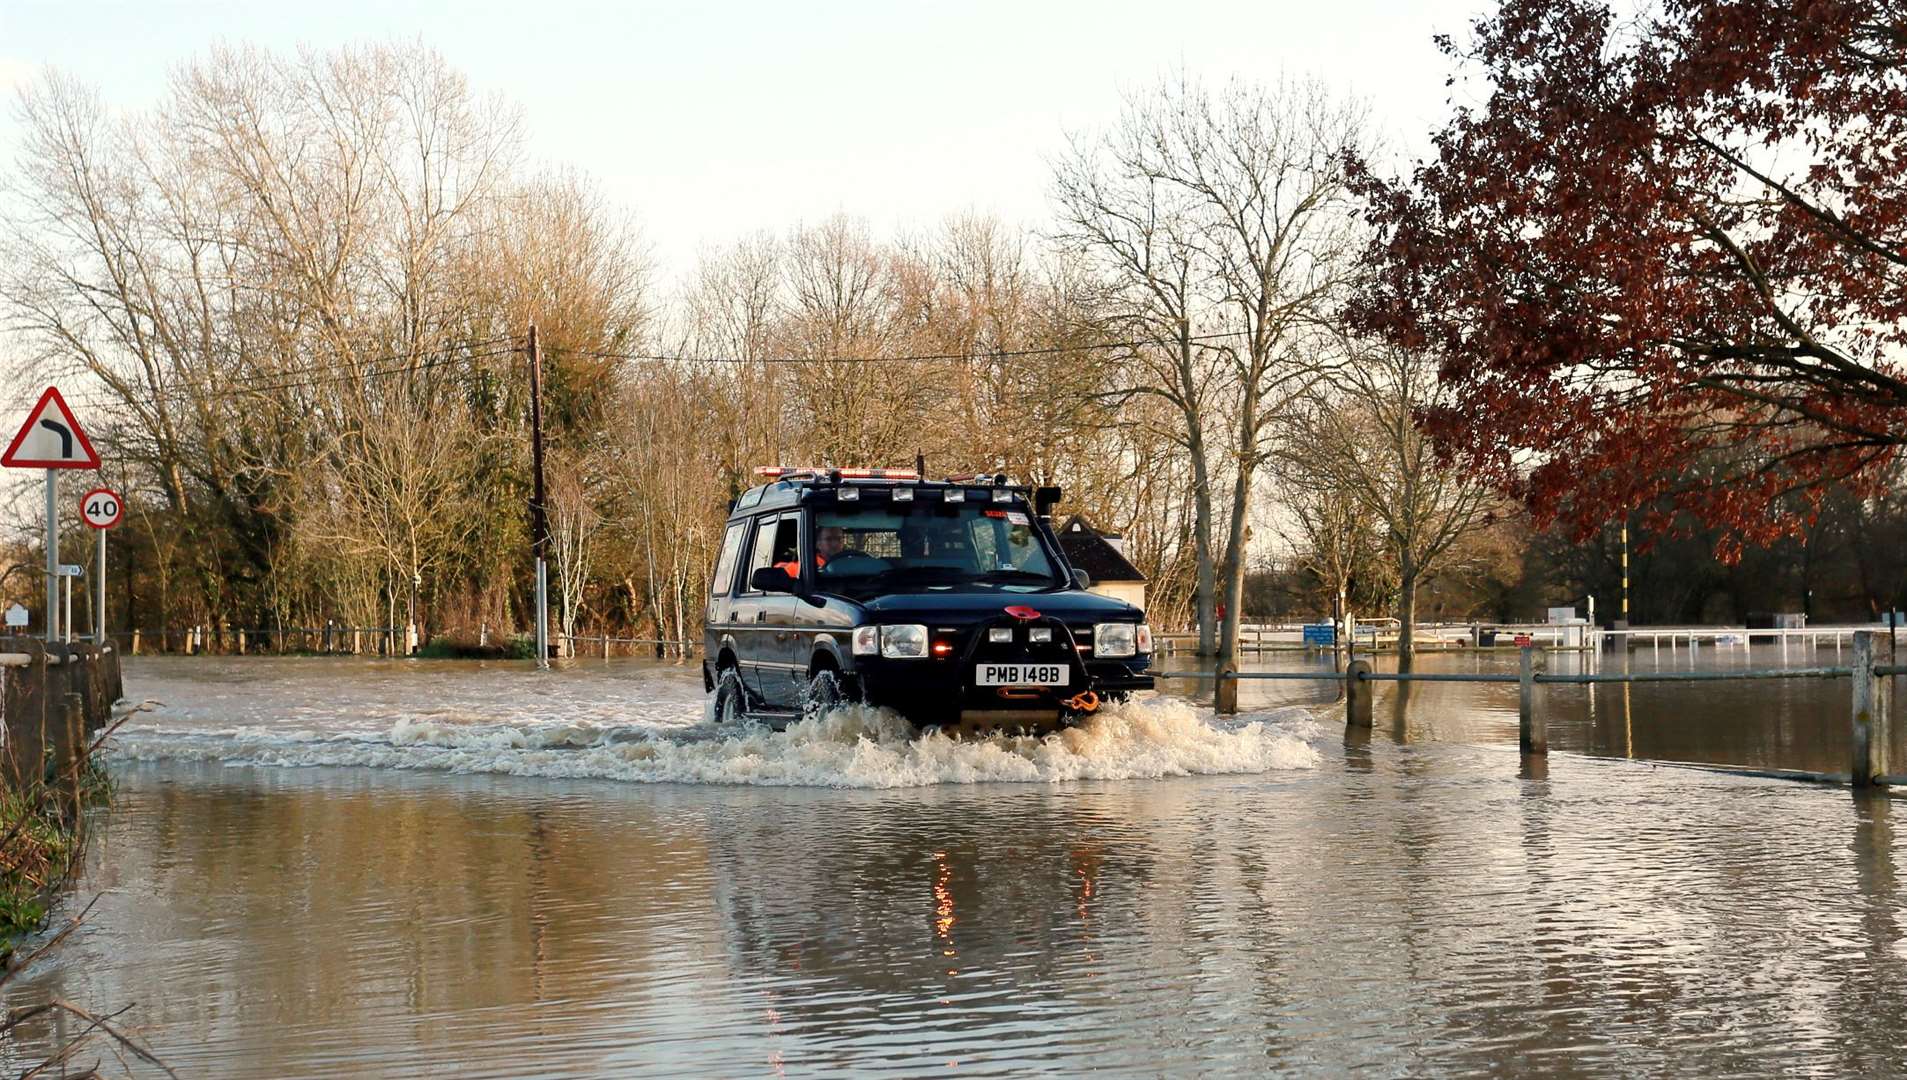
point(1869, 714)
point(1357, 694)
point(1225, 690)
point(1532, 727)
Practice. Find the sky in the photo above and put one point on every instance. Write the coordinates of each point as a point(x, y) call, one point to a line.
point(709, 121)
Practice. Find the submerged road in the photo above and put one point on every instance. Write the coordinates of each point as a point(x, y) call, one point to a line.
point(471, 884)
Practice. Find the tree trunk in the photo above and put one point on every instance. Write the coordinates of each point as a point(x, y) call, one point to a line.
point(1235, 562)
point(1205, 592)
point(1338, 634)
point(1406, 614)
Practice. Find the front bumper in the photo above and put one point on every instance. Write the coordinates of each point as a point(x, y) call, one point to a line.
point(942, 688)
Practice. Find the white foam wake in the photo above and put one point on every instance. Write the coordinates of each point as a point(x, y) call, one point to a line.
point(854, 747)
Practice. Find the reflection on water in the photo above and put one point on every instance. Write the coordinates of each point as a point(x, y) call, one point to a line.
point(1775, 724)
point(1420, 900)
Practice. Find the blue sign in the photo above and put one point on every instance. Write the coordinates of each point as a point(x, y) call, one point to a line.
point(1322, 633)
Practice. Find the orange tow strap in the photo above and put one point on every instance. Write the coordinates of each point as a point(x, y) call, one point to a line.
point(1084, 701)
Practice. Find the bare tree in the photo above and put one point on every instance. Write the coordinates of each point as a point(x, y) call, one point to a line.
point(1225, 219)
point(1330, 532)
point(1140, 233)
point(573, 525)
point(1359, 439)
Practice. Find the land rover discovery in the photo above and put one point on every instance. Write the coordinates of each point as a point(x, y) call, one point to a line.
point(947, 601)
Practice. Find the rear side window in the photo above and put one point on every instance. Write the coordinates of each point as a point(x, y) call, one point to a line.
point(763, 553)
point(725, 566)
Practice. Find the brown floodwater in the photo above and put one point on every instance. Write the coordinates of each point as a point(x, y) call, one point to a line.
point(352, 868)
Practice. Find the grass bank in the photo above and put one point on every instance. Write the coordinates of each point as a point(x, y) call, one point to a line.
point(42, 835)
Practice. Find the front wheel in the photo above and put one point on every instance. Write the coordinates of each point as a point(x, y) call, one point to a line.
point(731, 699)
point(823, 694)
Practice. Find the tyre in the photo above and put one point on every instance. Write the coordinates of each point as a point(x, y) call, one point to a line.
point(822, 695)
point(731, 699)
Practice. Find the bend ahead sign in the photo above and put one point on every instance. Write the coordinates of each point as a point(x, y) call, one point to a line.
point(50, 439)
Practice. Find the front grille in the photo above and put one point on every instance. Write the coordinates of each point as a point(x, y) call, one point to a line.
point(1022, 650)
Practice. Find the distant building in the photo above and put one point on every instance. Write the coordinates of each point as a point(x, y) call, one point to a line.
point(1103, 557)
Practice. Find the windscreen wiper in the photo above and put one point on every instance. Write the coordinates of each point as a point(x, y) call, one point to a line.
point(1017, 575)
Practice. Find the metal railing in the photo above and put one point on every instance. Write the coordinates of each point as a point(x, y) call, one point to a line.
point(1868, 715)
point(391, 641)
point(1578, 635)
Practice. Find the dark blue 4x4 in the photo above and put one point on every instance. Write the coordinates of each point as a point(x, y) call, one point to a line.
point(947, 601)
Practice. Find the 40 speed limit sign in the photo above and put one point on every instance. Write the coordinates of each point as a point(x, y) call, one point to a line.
point(101, 507)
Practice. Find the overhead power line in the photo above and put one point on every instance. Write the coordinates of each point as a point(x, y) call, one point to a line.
point(276, 381)
point(910, 358)
point(488, 348)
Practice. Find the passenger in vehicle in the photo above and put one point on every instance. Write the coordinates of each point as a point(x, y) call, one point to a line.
point(829, 541)
point(787, 561)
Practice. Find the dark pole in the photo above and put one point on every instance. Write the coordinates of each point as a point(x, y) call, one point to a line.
point(539, 520)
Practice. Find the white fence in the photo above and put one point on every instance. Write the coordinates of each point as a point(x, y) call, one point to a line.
point(1381, 634)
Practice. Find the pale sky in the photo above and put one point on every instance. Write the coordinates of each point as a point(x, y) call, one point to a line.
point(707, 122)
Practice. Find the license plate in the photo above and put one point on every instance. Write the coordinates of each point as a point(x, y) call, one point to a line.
point(1021, 675)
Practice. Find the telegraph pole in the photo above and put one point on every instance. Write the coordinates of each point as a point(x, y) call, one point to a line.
point(539, 519)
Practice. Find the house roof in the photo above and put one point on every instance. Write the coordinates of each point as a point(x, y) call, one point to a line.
point(1087, 549)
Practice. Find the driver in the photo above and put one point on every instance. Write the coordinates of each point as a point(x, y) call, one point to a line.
point(829, 541)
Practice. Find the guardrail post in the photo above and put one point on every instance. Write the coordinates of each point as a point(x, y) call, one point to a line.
point(1869, 712)
point(1357, 694)
point(1532, 727)
point(1225, 690)
point(69, 738)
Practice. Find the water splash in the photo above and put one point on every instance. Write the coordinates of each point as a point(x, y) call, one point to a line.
point(851, 747)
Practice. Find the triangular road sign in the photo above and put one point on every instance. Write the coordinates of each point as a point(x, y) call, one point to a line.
point(50, 439)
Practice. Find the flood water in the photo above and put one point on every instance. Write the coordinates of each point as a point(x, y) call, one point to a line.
point(354, 868)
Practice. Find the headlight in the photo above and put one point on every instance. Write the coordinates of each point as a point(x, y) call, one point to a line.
point(1145, 637)
point(1115, 638)
point(903, 642)
point(867, 641)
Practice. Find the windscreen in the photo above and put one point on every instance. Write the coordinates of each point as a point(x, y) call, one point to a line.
point(863, 552)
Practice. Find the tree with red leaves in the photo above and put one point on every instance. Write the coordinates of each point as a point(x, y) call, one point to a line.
point(1663, 264)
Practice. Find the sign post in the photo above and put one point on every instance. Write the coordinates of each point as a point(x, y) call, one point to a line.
point(101, 508)
point(52, 555)
point(51, 439)
point(69, 571)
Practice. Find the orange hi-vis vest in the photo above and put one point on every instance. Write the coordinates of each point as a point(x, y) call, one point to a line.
point(793, 569)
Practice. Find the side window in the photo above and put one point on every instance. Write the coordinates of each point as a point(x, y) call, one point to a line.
point(764, 550)
point(787, 543)
point(725, 566)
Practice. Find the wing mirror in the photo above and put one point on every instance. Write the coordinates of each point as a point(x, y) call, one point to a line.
point(1082, 579)
point(771, 579)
